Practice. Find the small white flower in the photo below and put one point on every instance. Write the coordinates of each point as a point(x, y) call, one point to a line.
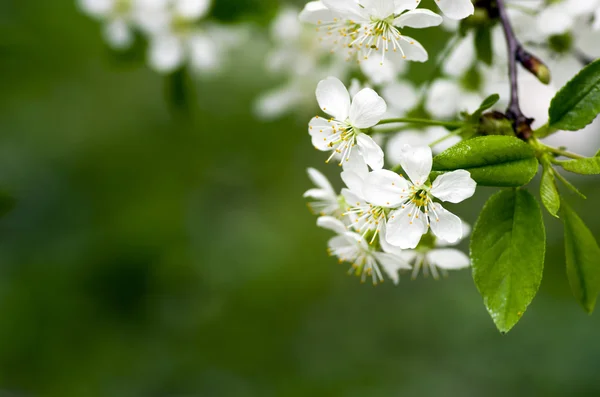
point(118, 17)
point(367, 26)
point(413, 199)
point(344, 130)
point(418, 137)
point(455, 9)
point(366, 261)
point(325, 200)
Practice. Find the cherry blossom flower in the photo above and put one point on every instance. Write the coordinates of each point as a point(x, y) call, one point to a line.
point(343, 132)
point(455, 9)
point(413, 199)
point(367, 26)
point(366, 260)
point(118, 17)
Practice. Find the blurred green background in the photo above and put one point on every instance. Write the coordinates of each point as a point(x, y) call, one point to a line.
point(150, 253)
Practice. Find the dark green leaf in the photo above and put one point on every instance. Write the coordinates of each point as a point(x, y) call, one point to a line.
point(483, 45)
point(492, 160)
point(589, 166)
point(578, 103)
point(548, 189)
point(507, 252)
point(583, 259)
point(485, 105)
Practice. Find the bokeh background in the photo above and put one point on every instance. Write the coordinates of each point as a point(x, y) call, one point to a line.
point(156, 244)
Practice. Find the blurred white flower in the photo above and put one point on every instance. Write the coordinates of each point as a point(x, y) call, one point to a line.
point(455, 9)
point(413, 198)
point(371, 26)
point(324, 199)
point(344, 131)
point(366, 260)
point(118, 17)
point(418, 137)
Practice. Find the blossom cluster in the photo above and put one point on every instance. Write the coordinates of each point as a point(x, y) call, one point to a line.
point(381, 216)
point(176, 33)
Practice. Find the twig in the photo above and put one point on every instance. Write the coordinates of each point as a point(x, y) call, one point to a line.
point(521, 123)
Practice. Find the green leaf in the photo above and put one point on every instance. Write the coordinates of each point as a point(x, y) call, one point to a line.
point(507, 252)
point(492, 160)
point(569, 185)
point(483, 45)
point(578, 103)
point(583, 254)
point(588, 166)
point(548, 189)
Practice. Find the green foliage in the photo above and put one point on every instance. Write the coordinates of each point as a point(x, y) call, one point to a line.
point(578, 103)
point(507, 252)
point(492, 160)
point(548, 190)
point(583, 259)
point(483, 44)
point(569, 185)
point(587, 166)
point(485, 105)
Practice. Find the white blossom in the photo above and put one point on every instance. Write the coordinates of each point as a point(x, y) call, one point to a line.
point(118, 17)
point(365, 27)
point(366, 260)
point(413, 199)
point(324, 200)
point(455, 9)
point(344, 131)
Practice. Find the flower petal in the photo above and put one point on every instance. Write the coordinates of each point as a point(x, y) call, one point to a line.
point(316, 12)
point(405, 227)
point(391, 265)
point(442, 99)
point(118, 34)
point(454, 187)
point(456, 9)
point(403, 5)
point(354, 182)
point(367, 109)
point(331, 223)
point(356, 163)
point(466, 230)
point(204, 52)
point(345, 7)
point(321, 132)
point(420, 18)
point(320, 180)
point(413, 50)
point(166, 53)
point(370, 151)
point(445, 224)
point(333, 98)
point(192, 9)
point(448, 258)
point(416, 162)
point(385, 188)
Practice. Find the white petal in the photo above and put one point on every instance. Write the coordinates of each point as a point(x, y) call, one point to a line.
point(192, 9)
point(356, 163)
point(466, 230)
point(331, 223)
point(413, 50)
point(403, 5)
point(344, 7)
point(456, 9)
point(367, 109)
point(385, 188)
point(442, 98)
point(405, 227)
point(416, 162)
point(420, 18)
point(118, 34)
point(391, 265)
point(379, 72)
point(461, 58)
point(333, 98)
point(166, 53)
point(277, 102)
point(316, 12)
point(445, 224)
point(449, 259)
point(400, 95)
point(454, 187)
point(554, 20)
point(320, 180)
point(370, 151)
point(204, 54)
point(354, 182)
point(96, 8)
point(321, 133)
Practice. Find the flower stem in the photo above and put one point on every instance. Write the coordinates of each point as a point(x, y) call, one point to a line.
point(561, 152)
point(411, 120)
point(447, 136)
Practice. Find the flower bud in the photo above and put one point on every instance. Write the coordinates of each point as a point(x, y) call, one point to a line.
point(534, 65)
